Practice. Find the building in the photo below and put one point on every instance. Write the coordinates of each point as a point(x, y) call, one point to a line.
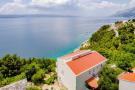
point(127, 80)
point(79, 70)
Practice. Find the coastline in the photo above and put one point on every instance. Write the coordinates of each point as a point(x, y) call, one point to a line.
point(83, 44)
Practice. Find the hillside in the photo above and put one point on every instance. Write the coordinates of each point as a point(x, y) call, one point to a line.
point(117, 43)
point(14, 68)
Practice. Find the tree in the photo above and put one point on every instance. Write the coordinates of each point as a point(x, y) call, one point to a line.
point(38, 77)
point(30, 73)
point(108, 78)
point(119, 51)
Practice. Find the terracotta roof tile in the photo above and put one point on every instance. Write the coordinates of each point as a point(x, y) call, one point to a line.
point(73, 54)
point(127, 76)
point(83, 63)
point(92, 82)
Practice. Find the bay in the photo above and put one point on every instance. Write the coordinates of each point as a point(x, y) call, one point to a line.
point(46, 36)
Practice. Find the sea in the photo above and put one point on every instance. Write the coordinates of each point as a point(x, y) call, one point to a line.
point(46, 36)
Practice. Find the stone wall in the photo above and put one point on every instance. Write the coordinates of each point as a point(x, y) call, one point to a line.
point(20, 85)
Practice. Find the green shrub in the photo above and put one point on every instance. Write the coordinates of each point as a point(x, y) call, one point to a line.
point(11, 65)
point(14, 68)
point(120, 51)
point(50, 81)
point(38, 77)
point(9, 80)
point(33, 88)
point(30, 73)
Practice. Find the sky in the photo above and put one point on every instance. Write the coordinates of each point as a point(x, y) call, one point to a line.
point(64, 7)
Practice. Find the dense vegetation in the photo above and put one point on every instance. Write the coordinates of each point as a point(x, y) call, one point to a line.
point(14, 68)
point(119, 50)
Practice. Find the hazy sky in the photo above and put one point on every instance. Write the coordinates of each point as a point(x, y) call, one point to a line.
point(65, 7)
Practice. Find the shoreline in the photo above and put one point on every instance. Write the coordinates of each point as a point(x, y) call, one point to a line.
point(81, 45)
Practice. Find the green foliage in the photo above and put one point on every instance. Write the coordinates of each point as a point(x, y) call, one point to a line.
point(50, 80)
point(133, 20)
point(129, 48)
point(30, 73)
point(33, 88)
point(9, 80)
point(10, 65)
point(14, 68)
point(48, 65)
point(96, 37)
point(120, 51)
point(108, 79)
point(38, 77)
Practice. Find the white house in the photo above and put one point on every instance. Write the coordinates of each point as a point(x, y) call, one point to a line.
point(79, 70)
point(127, 80)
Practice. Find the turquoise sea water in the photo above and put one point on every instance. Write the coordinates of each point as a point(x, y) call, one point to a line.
point(46, 36)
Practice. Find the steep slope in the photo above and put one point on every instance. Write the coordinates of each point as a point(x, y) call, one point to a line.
point(117, 43)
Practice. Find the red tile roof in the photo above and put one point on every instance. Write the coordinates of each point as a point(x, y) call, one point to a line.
point(127, 76)
point(73, 54)
point(92, 82)
point(85, 62)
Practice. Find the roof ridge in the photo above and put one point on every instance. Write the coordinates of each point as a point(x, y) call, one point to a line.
point(82, 55)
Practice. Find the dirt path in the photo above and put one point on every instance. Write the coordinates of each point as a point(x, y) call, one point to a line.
point(115, 30)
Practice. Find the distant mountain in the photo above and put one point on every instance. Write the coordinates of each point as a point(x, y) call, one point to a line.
point(35, 15)
point(126, 13)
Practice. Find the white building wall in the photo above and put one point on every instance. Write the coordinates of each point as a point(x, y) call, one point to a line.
point(65, 75)
point(82, 78)
point(126, 85)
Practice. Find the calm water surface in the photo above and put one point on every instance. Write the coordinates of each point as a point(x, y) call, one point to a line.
point(46, 36)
